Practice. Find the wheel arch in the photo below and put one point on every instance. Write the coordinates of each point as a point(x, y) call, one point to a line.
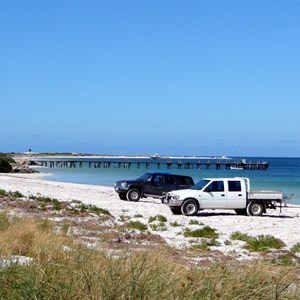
point(261, 201)
point(190, 211)
point(191, 198)
point(257, 204)
point(137, 187)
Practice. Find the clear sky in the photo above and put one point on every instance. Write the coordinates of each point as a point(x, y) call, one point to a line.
point(140, 77)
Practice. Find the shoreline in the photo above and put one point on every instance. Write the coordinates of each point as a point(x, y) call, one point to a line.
point(283, 225)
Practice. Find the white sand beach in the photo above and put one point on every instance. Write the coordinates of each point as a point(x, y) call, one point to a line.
point(283, 225)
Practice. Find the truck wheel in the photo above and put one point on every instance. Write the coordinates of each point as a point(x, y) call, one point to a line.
point(175, 210)
point(133, 195)
point(190, 207)
point(255, 209)
point(122, 196)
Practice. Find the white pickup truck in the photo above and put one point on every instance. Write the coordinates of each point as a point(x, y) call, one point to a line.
point(223, 193)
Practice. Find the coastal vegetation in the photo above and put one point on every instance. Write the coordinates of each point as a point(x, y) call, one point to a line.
point(261, 243)
point(73, 251)
point(6, 161)
point(58, 268)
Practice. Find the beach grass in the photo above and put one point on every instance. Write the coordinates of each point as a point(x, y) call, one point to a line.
point(261, 243)
point(205, 232)
point(60, 268)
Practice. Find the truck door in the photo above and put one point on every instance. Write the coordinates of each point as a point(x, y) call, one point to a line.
point(236, 196)
point(214, 195)
point(154, 185)
point(168, 183)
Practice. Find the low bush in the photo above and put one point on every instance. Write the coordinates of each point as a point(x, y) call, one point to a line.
point(261, 243)
point(206, 232)
point(175, 224)
point(159, 218)
point(7, 157)
point(137, 225)
point(195, 222)
point(204, 244)
point(295, 249)
point(16, 194)
point(5, 166)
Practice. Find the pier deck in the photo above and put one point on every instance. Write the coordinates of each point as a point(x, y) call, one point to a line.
point(127, 163)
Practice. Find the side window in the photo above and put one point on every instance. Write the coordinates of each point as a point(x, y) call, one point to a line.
point(169, 179)
point(184, 180)
point(188, 180)
point(157, 179)
point(215, 186)
point(234, 186)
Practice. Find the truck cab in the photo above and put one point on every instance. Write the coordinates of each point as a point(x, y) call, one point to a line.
point(222, 193)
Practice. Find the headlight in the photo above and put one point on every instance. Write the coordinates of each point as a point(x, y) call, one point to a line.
point(124, 184)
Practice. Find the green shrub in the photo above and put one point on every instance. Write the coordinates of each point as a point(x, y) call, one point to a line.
point(138, 216)
point(7, 157)
point(240, 236)
point(92, 208)
point(262, 243)
point(3, 193)
point(5, 166)
point(205, 244)
point(124, 218)
point(16, 194)
point(295, 249)
point(159, 218)
point(137, 225)
point(195, 222)
point(161, 226)
point(206, 232)
point(175, 224)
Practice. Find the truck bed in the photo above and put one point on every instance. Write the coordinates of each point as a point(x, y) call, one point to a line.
point(265, 195)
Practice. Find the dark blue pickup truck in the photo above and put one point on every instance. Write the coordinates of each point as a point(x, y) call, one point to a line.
point(152, 184)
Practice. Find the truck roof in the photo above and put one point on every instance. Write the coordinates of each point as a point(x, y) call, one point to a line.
point(225, 178)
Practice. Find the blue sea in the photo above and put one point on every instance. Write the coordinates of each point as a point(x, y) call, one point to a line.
point(283, 174)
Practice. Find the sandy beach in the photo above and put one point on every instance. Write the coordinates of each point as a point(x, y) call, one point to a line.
point(283, 225)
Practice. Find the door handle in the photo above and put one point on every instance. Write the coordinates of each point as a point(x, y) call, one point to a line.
point(222, 195)
point(240, 195)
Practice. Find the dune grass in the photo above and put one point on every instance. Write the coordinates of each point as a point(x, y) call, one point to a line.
point(261, 243)
point(63, 269)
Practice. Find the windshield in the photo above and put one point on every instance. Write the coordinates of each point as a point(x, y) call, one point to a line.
point(199, 186)
point(145, 176)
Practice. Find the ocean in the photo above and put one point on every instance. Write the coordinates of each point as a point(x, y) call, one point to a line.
point(283, 174)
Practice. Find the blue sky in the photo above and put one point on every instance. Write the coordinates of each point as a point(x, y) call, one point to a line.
point(140, 77)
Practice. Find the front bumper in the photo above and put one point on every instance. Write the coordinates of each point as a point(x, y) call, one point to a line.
point(171, 201)
point(121, 189)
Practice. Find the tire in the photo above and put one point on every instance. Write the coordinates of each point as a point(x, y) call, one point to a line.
point(133, 195)
point(241, 212)
point(255, 209)
point(175, 210)
point(190, 207)
point(122, 196)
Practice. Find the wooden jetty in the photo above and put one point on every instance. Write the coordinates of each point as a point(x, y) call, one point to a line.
point(107, 163)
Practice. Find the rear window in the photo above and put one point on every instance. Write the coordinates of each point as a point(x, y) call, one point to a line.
point(234, 186)
point(169, 179)
point(184, 180)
